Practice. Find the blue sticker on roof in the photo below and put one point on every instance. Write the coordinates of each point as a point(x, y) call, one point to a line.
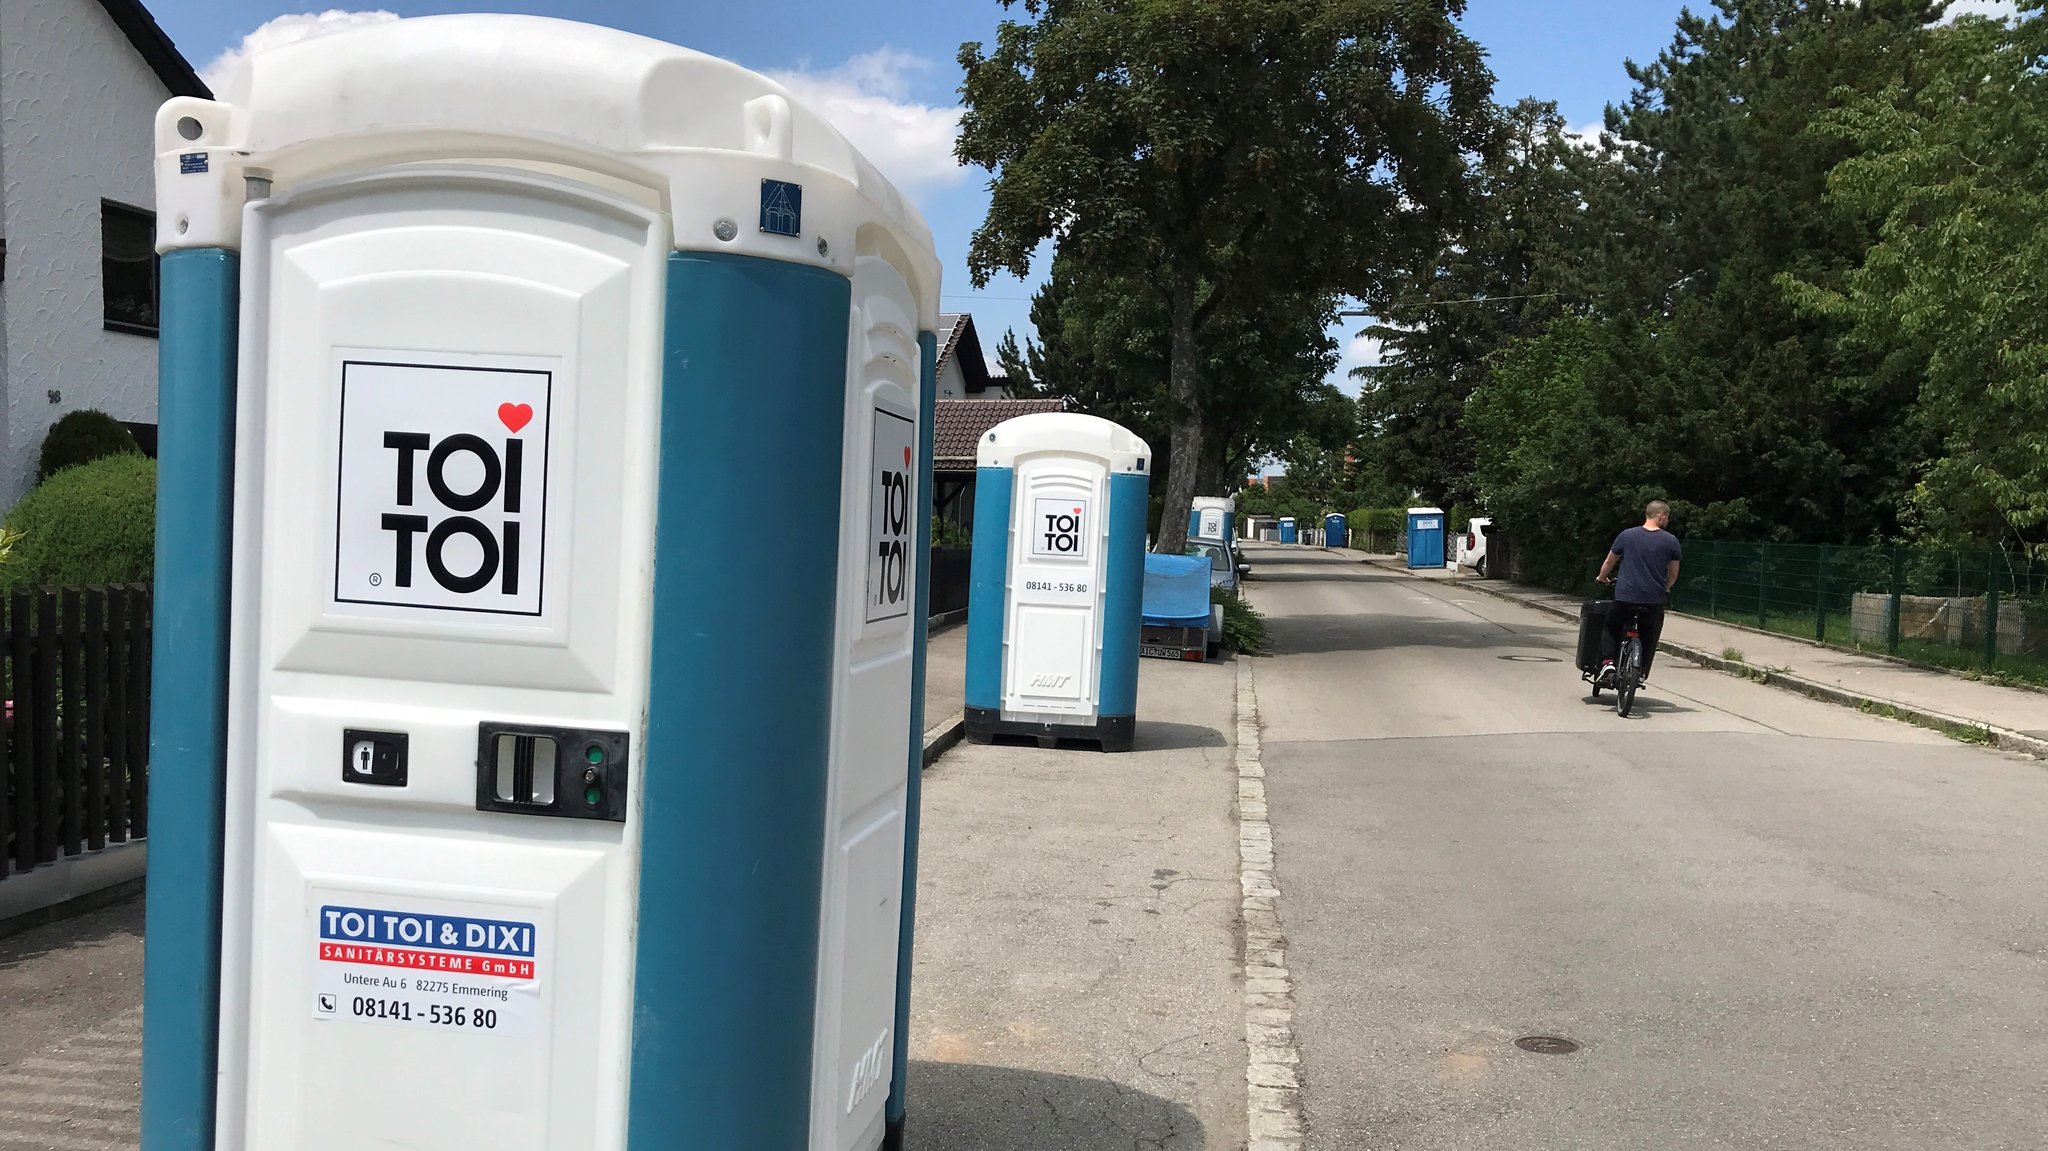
point(782, 208)
point(190, 163)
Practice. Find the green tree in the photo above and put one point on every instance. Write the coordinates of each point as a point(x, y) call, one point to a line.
point(1221, 153)
point(1505, 274)
point(1956, 170)
point(1103, 346)
point(1684, 368)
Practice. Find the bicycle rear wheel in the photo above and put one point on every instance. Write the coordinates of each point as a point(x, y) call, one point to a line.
point(1628, 675)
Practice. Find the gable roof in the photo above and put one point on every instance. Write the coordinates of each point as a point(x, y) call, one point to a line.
point(156, 49)
point(961, 339)
point(958, 425)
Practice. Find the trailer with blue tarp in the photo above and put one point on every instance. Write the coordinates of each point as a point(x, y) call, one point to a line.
point(1179, 621)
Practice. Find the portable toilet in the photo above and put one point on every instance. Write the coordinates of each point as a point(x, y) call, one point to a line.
point(485, 813)
point(1213, 518)
point(1287, 533)
point(1057, 597)
point(1335, 532)
point(1425, 537)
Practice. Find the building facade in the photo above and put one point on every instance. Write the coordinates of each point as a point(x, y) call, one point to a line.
point(80, 83)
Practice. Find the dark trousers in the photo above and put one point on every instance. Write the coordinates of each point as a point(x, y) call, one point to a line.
point(1649, 619)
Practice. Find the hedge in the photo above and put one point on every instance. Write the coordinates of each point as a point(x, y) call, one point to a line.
point(91, 524)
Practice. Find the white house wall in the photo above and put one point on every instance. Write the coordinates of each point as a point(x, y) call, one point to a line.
point(952, 383)
point(77, 109)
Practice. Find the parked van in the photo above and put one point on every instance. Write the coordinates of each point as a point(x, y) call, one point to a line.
point(1472, 545)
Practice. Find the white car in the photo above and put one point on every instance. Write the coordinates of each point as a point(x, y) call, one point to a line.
point(1472, 545)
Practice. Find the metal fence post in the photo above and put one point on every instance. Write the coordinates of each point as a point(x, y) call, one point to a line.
point(1991, 611)
point(1820, 596)
point(1713, 581)
point(1763, 581)
point(1891, 638)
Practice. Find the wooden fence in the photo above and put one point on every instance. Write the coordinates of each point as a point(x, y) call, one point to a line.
point(77, 722)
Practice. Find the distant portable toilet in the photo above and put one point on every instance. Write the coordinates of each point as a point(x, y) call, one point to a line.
point(1336, 533)
point(485, 811)
point(1287, 532)
point(1425, 537)
point(1213, 518)
point(1057, 597)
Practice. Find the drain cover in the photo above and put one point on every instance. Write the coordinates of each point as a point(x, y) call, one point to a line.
point(1546, 1044)
point(1531, 659)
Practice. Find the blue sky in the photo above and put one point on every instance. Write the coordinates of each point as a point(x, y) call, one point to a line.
point(885, 71)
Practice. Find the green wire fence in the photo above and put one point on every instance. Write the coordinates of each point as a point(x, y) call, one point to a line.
point(1978, 611)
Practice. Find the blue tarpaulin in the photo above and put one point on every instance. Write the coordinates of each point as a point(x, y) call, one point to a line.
point(1176, 590)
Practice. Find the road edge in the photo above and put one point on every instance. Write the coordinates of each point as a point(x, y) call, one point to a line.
point(1272, 1084)
point(1975, 732)
point(1956, 727)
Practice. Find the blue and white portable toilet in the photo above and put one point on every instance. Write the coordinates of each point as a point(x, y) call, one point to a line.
point(486, 811)
point(1425, 537)
point(1057, 596)
point(1336, 533)
point(1287, 532)
point(1213, 518)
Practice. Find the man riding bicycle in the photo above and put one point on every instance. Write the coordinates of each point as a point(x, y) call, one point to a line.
point(1647, 559)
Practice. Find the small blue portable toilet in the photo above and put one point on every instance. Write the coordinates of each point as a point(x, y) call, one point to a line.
point(1287, 533)
point(1425, 537)
point(1336, 533)
point(1056, 601)
point(1212, 518)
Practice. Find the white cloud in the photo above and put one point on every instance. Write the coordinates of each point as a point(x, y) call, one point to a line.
point(1360, 351)
point(285, 30)
point(1996, 9)
point(868, 99)
point(1588, 134)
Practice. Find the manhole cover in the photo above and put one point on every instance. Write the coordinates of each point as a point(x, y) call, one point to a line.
point(1531, 659)
point(1546, 1044)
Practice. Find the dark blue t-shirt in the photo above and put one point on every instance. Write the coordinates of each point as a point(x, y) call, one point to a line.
point(1645, 564)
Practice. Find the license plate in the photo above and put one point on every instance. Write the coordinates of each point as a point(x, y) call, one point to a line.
point(1160, 651)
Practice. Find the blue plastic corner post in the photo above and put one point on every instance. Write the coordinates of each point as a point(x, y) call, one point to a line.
point(188, 697)
point(927, 391)
point(733, 785)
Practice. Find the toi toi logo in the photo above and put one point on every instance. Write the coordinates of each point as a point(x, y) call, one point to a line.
point(1060, 527)
point(443, 487)
point(499, 547)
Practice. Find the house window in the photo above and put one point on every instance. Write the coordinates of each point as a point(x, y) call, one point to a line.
point(128, 267)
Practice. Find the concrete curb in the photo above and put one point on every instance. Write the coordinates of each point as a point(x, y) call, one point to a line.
point(1272, 1061)
point(72, 886)
point(2002, 738)
point(940, 738)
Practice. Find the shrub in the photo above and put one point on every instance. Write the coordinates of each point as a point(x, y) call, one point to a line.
point(92, 524)
point(80, 438)
point(1244, 629)
point(947, 534)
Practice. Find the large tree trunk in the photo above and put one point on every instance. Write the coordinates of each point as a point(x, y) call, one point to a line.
point(1184, 393)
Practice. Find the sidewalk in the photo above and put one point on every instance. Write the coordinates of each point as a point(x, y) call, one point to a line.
point(2016, 719)
point(1077, 969)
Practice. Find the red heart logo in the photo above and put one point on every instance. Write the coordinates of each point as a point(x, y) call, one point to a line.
point(515, 416)
point(1077, 511)
point(906, 457)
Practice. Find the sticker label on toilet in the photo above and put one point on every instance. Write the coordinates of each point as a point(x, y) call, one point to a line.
point(442, 486)
point(411, 966)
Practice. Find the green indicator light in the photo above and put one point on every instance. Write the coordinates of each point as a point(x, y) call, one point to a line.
point(593, 795)
point(594, 753)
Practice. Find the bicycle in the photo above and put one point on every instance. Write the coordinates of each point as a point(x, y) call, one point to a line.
point(1628, 669)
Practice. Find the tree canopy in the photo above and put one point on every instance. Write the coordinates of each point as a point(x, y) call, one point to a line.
point(1219, 158)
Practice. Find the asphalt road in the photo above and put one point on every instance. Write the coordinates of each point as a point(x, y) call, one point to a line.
point(1767, 922)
